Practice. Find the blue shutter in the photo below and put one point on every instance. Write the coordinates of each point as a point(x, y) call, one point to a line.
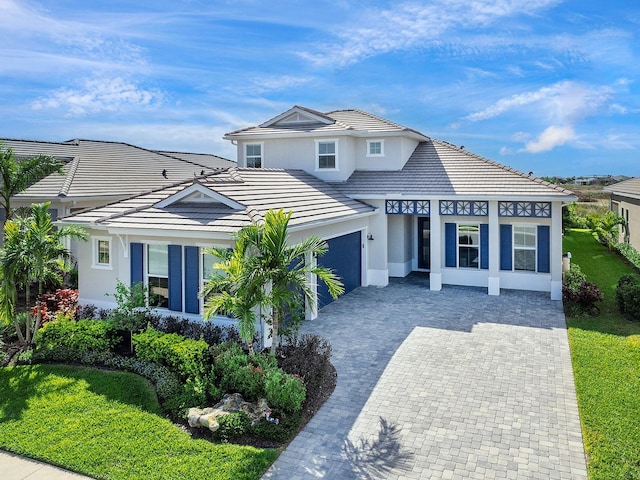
point(506, 247)
point(484, 246)
point(544, 250)
point(137, 262)
point(175, 278)
point(191, 279)
point(450, 243)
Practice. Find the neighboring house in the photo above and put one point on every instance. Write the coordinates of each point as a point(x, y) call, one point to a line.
point(388, 200)
point(625, 201)
point(98, 172)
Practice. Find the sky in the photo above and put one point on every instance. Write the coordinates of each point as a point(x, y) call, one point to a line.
point(547, 86)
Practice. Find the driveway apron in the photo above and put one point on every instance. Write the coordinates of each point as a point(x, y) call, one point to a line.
point(454, 384)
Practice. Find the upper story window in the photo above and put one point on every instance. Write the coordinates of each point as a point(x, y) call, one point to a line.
point(524, 247)
point(101, 252)
point(327, 154)
point(375, 148)
point(253, 155)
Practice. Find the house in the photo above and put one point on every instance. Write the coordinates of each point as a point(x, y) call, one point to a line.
point(389, 200)
point(98, 172)
point(625, 201)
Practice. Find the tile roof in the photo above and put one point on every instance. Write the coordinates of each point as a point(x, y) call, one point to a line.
point(342, 121)
point(110, 169)
point(257, 190)
point(629, 187)
point(440, 169)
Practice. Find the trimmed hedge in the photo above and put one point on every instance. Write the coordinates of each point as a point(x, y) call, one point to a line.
point(628, 296)
point(85, 341)
point(630, 253)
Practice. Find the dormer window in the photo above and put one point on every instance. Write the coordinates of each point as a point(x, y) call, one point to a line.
point(327, 154)
point(375, 148)
point(253, 155)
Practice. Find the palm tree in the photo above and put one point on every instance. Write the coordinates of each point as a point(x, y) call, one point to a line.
point(282, 267)
point(229, 291)
point(18, 175)
point(33, 252)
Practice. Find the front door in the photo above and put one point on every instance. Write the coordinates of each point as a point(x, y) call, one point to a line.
point(424, 243)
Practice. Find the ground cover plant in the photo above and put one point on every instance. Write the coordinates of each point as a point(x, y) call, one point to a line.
point(107, 425)
point(605, 350)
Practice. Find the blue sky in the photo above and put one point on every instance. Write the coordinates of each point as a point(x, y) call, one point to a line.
point(547, 86)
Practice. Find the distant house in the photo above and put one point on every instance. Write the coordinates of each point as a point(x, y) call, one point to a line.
point(625, 201)
point(98, 172)
point(388, 200)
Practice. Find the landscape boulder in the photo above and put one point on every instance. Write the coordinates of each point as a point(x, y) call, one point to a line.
point(230, 403)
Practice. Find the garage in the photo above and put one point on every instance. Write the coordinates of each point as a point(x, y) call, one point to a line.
point(345, 259)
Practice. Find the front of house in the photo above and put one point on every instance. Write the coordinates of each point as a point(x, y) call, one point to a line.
point(388, 200)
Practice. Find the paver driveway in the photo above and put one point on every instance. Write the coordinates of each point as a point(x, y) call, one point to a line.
point(454, 384)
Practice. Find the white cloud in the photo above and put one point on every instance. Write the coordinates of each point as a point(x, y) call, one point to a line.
point(506, 151)
point(551, 137)
point(99, 95)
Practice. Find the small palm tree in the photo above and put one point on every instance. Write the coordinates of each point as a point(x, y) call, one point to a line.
point(33, 252)
point(17, 175)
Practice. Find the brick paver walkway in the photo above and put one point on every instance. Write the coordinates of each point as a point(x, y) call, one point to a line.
point(453, 384)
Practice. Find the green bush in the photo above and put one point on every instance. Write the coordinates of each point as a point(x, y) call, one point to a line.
point(281, 432)
point(235, 371)
point(186, 356)
point(579, 295)
point(86, 341)
point(628, 296)
point(285, 392)
point(232, 426)
point(630, 253)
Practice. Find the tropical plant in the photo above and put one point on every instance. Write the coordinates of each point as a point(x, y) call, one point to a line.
point(17, 175)
point(132, 309)
point(33, 252)
point(605, 227)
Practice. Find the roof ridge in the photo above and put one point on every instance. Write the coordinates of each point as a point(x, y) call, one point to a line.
point(64, 190)
point(501, 166)
point(3, 139)
point(381, 119)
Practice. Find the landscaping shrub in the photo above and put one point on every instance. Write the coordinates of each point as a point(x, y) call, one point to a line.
point(207, 331)
point(628, 296)
point(64, 301)
point(86, 341)
point(232, 426)
point(580, 295)
point(166, 382)
point(630, 253)
point(285, 392)
point(281, 432)
point(235, 371)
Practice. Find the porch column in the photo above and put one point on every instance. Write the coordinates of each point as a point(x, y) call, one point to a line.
point(494, 249)
point(435, 277)
point(556, 251)
point(311, 306)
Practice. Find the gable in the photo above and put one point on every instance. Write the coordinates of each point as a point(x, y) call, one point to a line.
point(298, 115)
point(198, 193)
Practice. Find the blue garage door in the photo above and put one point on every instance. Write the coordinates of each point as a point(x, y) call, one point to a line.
point(344, 258)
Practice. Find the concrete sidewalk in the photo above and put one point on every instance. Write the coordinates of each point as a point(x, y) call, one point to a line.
point(15, 467)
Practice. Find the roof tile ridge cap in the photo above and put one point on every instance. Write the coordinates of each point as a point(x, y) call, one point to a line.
point(234, 174)
point(312, 111)
point(71, 174)
point(255, 216)
point(3, 139)
point(503, 167)
point(165, 152)
point(387, 121)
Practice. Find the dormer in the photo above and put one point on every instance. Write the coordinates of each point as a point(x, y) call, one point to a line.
point(200, 194)
point(297, 116)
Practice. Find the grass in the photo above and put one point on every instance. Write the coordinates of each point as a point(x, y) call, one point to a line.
point(605, 351)
point(107, 425)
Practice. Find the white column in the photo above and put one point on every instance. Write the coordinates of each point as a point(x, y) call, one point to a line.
point(311, 306)
point(377, 254)
point(556, 250)
point(494, 249)
point(437, 248)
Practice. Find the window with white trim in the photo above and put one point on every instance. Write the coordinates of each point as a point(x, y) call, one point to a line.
point(101, 252)
point(327, 154)
point(469, 245)
point(253, 155)
point(158, 275)
point(375, 148)
point(524, 247)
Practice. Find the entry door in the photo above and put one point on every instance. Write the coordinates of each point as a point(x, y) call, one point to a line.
point(424, 242)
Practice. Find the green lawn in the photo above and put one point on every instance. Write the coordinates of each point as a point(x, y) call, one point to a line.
point(107, 425)
point(605, 351)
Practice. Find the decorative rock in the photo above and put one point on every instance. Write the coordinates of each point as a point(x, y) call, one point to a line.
point(230, 403)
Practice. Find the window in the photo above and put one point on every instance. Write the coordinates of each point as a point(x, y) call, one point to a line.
point(327, 151)
point(469, 245)
point(524, 247)
point(208, 261)
point(158, 275)
point(102, 252)
point(375, 148)
point(253, 155)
